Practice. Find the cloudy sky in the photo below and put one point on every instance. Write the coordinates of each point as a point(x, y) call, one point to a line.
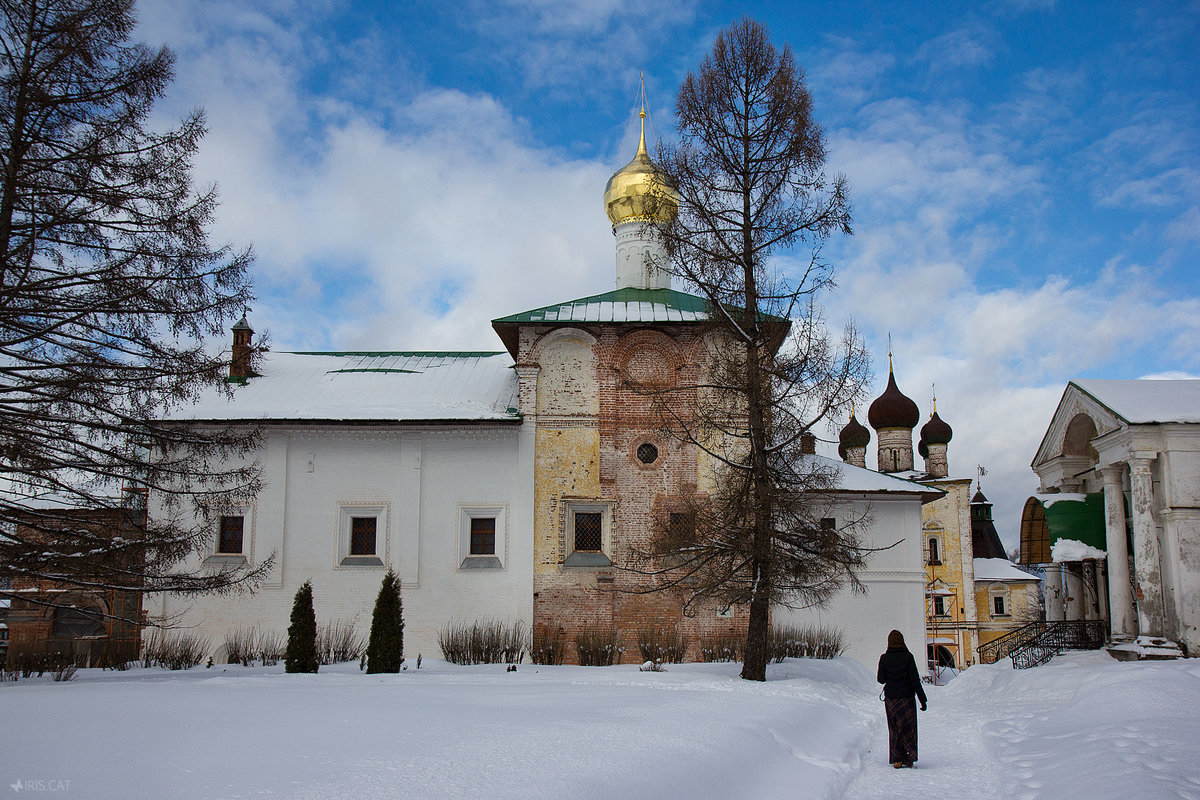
point(1025, 177)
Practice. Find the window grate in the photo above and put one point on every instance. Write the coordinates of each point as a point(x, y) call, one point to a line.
point(483, 536)
point(647, 453)
point(362, 536)
point(588, 531)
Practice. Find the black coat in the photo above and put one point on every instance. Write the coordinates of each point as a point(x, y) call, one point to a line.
point(898, 674)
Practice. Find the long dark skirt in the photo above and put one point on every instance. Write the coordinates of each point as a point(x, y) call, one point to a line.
point(902, 729)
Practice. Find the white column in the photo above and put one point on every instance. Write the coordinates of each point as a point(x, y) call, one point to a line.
point(1120, 601)
point(1089, 596)
point(1073, 592)
point(1054, 596)
point(1145, 549)
point(1102, 589)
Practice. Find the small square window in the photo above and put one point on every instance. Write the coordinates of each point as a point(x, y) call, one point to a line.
point(362, 536)
point(589, 533)
point(483, 536)
point(232, 535)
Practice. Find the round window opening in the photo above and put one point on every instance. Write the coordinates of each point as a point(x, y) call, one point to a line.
point(647, 453)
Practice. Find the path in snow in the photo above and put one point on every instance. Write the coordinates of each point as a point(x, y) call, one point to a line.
point(1082, 726)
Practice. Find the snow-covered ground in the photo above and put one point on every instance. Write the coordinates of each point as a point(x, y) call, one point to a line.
point(1083, 726)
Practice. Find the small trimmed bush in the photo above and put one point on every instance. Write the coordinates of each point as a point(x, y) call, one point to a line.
point(548, 649)
point(661, 644)
point(488, 642)
point(385, 646)
point(598, 647)
point(724, 646)
point(301, 653)
point(337, 642)
point(804, 641)
point(174, 650)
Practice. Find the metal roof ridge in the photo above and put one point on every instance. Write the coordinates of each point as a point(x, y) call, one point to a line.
point(397, 353)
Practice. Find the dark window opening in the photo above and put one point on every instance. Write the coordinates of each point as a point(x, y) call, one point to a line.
point(998, 605)
point(939, 606)
point(934, 556)
point(647, 453)
point(230, 540)
point(483, 536)
point(588, 531)
point(362, 536)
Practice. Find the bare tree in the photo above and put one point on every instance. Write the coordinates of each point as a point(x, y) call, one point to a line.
point(748, 177)
point(108, 289)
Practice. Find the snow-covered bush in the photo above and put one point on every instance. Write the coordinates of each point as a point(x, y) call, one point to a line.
point(489, 641)
point(661, 643)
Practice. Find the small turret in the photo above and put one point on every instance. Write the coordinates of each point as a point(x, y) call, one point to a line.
point(239, 365)
point(935, 435)
point(893, 415)
point(853, 441)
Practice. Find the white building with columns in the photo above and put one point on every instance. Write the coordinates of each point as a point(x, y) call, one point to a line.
point(1117, 522)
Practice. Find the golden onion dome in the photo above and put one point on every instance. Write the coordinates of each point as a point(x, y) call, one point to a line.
point(637, 191)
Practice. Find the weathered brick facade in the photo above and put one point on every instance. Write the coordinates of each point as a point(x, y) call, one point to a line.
point(590, 423)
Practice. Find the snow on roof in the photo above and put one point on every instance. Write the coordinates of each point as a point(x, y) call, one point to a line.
point(859, 479)
point(381, 386)
point(999, 569)
point(1051, 498)
point(1147, 400)
point(1074, 550)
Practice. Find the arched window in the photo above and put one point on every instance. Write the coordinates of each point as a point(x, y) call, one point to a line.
point(935, 551)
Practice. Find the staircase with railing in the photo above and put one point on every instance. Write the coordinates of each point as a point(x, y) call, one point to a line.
point(1038, 642)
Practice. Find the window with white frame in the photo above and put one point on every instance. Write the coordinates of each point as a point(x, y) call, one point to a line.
point(482, 536)
point(939, 606)
point(362, 535)
point(1000, 601)
point(588, 534)
point(232, 537)
point(933, 550)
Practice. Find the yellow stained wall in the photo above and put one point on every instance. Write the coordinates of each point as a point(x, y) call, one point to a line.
point(567, 465)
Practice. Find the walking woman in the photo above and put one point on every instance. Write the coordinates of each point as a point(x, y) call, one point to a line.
point(901, 681)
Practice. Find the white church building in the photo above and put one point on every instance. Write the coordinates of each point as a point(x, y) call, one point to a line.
point(512, 484)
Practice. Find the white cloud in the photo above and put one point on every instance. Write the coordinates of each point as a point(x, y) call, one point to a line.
point(969, 46)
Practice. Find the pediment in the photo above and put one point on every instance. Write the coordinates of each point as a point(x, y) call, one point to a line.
point(1074, 402)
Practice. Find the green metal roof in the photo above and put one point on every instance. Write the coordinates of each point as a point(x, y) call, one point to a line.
point(620, 305)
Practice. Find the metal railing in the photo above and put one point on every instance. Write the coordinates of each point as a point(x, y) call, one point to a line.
point(1038, 642)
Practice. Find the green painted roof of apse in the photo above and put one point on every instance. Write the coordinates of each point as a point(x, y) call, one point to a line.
point(619, 305)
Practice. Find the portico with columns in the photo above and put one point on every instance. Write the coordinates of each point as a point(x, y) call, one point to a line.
point(1116, 522)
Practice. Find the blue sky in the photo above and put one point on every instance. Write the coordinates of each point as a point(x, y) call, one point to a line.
point(1025, 177)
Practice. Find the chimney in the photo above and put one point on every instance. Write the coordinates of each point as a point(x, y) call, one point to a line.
point(239, 366)
point(808, 443)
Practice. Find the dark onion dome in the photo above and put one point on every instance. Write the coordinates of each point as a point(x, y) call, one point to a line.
point(936, 431)
point(854, 434)
point(892, 409)
point(923, 449)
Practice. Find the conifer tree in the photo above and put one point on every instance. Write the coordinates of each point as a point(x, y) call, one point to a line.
point(385, 648)
point(748, 175)
point(302, 634)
